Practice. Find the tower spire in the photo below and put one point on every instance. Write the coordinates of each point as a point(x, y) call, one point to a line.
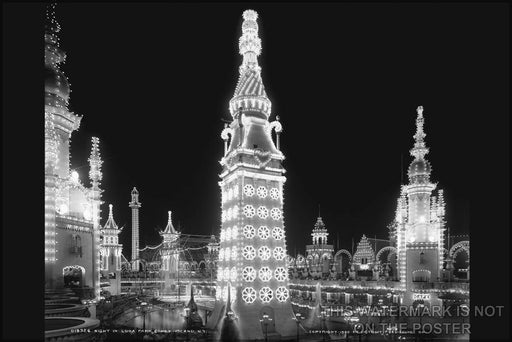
point(250, 93)
point(419, 150)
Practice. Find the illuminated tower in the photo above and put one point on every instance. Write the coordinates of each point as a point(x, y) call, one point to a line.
point(320, 253)
point(420, 218)
point(59, 124)
point(111, 253)
point(252, 255)
point(170, 253)
point(135, 205)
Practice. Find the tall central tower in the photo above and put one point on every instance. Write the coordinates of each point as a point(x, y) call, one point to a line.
point(135, 205)
point(420, 217)
point(252, 254)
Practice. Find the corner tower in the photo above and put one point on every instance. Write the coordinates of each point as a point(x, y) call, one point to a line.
point(170, 253)
point(252, 255)
point(135, 205)
point(111, 253)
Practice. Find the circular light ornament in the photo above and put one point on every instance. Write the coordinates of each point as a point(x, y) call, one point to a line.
point(275, 213)
point(233, 274)
point(249, 190)
point(274, 193)
point(279, 253)
point(63, 209)
point(281, 274)
point(227, 253)
point(249, 211)
point(265, 273)
point(278, 233)
point(264, 253)
point(227, 234)
point(234, 253)
point(249, 273)
point(262, 212)
point(263, 232)
point(282, 294)
point(249, 231)
point(234, 232)
point(249, 295)
point(249, 252)
point(262, 192)
point(266, 294)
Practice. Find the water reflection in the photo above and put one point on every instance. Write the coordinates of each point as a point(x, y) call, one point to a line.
point(168, 319)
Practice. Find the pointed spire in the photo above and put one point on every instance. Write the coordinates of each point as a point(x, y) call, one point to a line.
point(419, 150)
point(95, 162)
point(111, 223)
point(228, 304)
point(250, 93)
point(52, 27)
point(169, 229)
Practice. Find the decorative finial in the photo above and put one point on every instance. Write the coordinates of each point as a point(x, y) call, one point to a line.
point(110, 214)
point(95, 161)
point(170, 214)
point(419, 150)
point(249, 43)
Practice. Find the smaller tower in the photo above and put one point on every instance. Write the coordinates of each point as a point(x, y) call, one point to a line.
point(170, 253)
point(135, 205)
point(111, 253)
point(320, 253)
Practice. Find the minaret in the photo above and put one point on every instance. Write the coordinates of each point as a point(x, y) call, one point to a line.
point(320, 251)
point(420, 229)
point(111, 253)
point(170, 253)
point(135, 205)
point(95, 176)
point(252, 255)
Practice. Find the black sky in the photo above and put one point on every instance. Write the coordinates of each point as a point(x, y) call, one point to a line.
point(153, 81)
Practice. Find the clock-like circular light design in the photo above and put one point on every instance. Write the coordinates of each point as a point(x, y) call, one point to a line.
point(249, 210)
point(249, 273)
point(278, 233)
point(264, 253)
point(275, 213)
point(249, 231)
point(263, 232)
point(266, 294)
point(282, 294)
point(274, 193)
point(281, 274)
point(279, 253)
point(262, 192)
point(262, 212)
point(265, 273)
point(249, 252)
point(249, 190)
point(249, 295)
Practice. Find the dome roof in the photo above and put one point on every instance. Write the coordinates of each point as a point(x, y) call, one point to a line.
point(419, 167)
point(56, 83)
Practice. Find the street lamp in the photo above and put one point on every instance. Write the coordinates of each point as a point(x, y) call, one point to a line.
point(298, 317)
point(265, 320)
point(143, 307)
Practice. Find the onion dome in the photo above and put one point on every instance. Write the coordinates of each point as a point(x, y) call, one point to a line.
point(57, 87)
point(250, 96)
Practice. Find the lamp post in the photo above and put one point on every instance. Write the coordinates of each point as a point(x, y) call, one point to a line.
point(298, 317)
point(143, 307)
point(265, 320)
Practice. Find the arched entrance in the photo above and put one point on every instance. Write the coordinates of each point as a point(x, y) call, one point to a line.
point(74, 276)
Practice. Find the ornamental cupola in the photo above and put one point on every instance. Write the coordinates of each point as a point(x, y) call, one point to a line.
point(420, 169)
point(364, 253)
point(110, 230)
point(169, 234)
point(250, 132)
point(57, 87)
point(250, 96)
point(319, 233)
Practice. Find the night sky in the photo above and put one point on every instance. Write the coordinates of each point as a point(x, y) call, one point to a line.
point(153, 82)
